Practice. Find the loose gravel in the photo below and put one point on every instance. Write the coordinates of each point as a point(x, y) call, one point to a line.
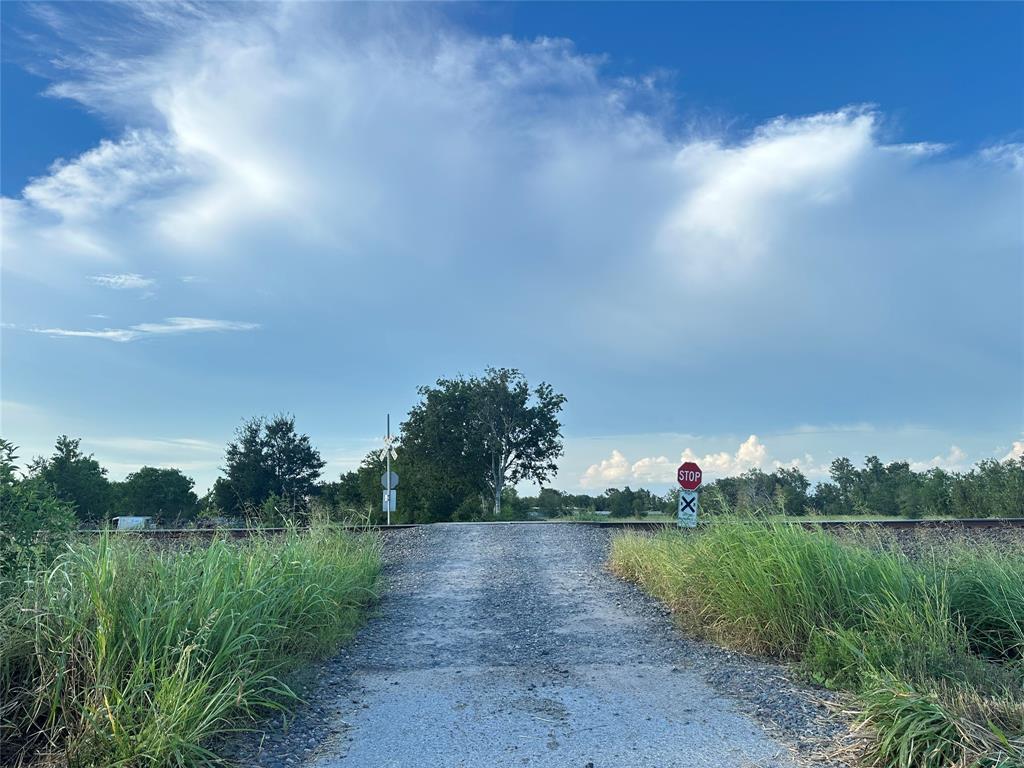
point(511, 645)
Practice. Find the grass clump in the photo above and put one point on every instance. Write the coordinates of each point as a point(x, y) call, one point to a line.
point(123, 653)
point(932, 646)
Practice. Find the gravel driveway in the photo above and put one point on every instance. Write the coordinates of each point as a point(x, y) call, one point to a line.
point(509, 645)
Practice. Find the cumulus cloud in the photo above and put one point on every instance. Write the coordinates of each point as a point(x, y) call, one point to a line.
point(658, 469)
point(751, 454)
point(489, 167)
point(606, 472)
point(170, 326)
point(953, 461)
point(807, 464)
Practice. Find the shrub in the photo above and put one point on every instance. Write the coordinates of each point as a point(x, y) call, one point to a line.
point(34, 523)
point(123, 653)
point(931, 646)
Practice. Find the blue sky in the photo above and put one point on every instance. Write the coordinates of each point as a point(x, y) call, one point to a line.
point(755, 234)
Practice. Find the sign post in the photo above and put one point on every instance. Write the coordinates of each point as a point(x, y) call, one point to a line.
point(689, 477)
point(389, 480)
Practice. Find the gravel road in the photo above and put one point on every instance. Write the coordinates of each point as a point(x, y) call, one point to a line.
point(509, 645)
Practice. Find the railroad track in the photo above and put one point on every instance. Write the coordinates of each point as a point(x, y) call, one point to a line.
point(898, 524)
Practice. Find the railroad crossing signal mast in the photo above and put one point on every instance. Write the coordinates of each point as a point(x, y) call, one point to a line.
point(389, 480)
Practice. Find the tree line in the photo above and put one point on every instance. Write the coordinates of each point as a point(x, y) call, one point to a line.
point(462, 449)
point(989, 489)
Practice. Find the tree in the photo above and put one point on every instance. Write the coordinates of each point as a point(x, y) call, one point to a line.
point(521, 437)
point(551, 502)
point(77, 479)
point(791, 490)
point(269, 458)
point(343, 497)
point(165, 494)
point(478, 435)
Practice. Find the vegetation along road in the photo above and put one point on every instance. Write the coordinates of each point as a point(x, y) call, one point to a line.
point(509, 644)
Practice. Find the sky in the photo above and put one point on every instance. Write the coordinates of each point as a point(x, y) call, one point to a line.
point(757, 235)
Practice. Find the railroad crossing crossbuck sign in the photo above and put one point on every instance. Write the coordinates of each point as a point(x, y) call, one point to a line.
point(687, 514)
point(689, 477)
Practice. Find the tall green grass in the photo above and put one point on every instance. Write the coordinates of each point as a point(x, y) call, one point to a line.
point(126, 654)
point(932, 646)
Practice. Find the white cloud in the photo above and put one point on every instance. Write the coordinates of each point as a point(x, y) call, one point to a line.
point(607, 472)
point(148, 446)
point(730, 212)
point(811, 469)
point(172, 325)
point(114, 174)
point(124, 282)
point(953, 461)
point(467, 164)
point(1016, 451)
point(751, 454)
point(1010, 154)
point(658, 469)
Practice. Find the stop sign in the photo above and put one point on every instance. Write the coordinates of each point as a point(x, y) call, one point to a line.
point(689, 475)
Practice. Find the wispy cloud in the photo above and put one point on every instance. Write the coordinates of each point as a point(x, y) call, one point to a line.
point(171, 325)
point(142, 445)
point(124, 282)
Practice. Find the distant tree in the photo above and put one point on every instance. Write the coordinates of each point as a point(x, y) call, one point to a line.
point(621, 502)
point(165, 494)
point(936, 486)
point(514, 506)
point(827, 499)
point(990, 489)
point(550, 502)
point(343, 496)
point(269, 458)
point(756, 492)
point(846, 477)
point(790, 490)
point(77, 479)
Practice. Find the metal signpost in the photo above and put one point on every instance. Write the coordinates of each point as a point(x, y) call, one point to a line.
point(389, 480)
point(689, 477)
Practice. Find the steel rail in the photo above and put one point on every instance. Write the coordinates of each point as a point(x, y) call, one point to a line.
point(893, 523)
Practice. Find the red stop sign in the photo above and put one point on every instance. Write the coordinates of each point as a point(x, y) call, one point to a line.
point(689, 475)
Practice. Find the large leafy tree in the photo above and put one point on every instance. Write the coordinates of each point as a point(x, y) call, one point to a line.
point(268, 458)
point(166, 494)
point(522, 436)
point(77, 479)
point(481, 434)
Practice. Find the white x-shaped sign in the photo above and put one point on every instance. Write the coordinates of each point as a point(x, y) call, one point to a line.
point(389, 447)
